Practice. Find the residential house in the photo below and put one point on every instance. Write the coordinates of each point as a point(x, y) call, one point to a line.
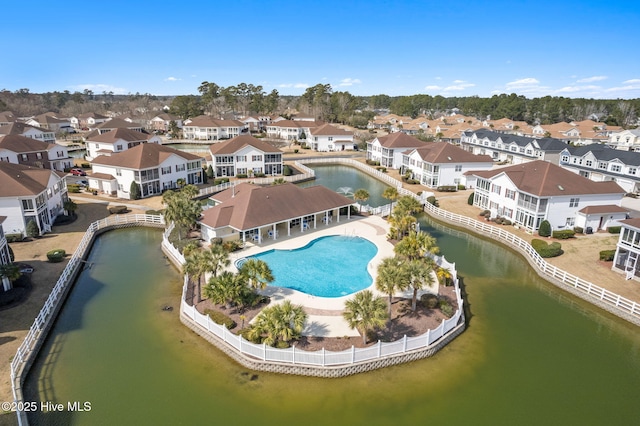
point(625, 140)
point(162, 121)
point(512, 149)
point(628, 249)
point(602, 163)
point(245, 155)
point(117, 140)
point(251, 213)
point(52, 123)
point(87, 120)
point(388, 150)
point(442, 164)
point(206, 128)
point(30, 194)
point(5, 257)
point(23, 129)
point(531, 192)
point(19, 149)
point(155, 168)
point(6, 118)
point(292, 130)
point(256, 123)
point(330, 138)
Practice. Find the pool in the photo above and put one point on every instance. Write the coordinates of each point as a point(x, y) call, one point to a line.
point(331, 266)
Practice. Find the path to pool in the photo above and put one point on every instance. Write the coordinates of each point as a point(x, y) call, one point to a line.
point(325, 314)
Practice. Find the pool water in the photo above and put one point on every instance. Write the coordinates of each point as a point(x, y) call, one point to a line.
point(331, 266)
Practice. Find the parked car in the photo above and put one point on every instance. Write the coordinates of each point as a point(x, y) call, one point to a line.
point(77, 172)
point(83, 183)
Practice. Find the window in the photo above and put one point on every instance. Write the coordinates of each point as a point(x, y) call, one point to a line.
point(574, 202)
point(118, 147)
point(602, 165)
point(27, 204)
point(571, 221)
point(496, 189)
point(24, 157)
point(256, 158)
point(166, 170)
point(240, 158)
point(632, 170)
point(118, 172)
point(615, 168)
point(180, 167)
point(39, 155)
point(330, 138)
point(510, 194)
point(458, 168)
point(588, 163)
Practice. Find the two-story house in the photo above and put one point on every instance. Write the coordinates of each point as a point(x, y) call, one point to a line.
point(330, 138)
point(531, 192)
point(50, 122)
point(87, 120)
point(30, 194)
point(161, 122)
point(206, 128)
point(389, 149)
point(625, 140)
point(602, 163)
point(512, 149)
point(245, 155)
point(23, 129)
point(117, 140)
point(626, 259)
point(291, 130)
point(18, 149)
point(441, 164)
point(154, 168)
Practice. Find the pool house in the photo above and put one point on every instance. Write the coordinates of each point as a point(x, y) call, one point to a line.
point(252, 213)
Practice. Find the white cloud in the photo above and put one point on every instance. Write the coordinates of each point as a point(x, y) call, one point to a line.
point(172, 79)
point(349, 82)
point(458, 87)
point(458, 81)
point(99, 88)
point(433, 88)
point(573, 89)
point(293, 85)
point(592, 79)
point(523, 82)
point(632, 81)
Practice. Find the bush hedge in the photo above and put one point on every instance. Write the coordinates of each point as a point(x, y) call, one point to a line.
point(470, 199)
point(546, 250)
point(578, 230)
point(429, 301)
point(445, 307)
point(564, 234)
point(432, 200)
point(607, 255)
point(14, 238)
point(545, 229)
point(461, 187)
point(220, 318)
point(241, 175)
point(73, 188)
point(381, 169)
point(286, 170)
point(220, 181)
point(56, 255)
point(447, 188)
point(614, 229)
point(118, 209)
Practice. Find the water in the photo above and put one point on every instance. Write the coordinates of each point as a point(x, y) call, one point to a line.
point(531, 355)
point(312, 269)
point(336, 177)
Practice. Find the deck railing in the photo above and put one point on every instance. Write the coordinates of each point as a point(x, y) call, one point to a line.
point(612, 302)
point(27, 351)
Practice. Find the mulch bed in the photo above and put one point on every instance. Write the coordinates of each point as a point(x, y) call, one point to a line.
point(404, 322)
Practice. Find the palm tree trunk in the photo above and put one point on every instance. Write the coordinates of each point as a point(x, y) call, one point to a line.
point(415, 299)
point(390, 298)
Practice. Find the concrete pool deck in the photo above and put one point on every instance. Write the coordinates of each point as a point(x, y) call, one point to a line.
point(325, 313)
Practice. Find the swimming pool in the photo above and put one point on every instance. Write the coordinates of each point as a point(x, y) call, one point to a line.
point(331, 266)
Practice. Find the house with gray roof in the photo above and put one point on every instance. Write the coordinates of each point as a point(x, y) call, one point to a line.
point(251, 213)
point(245, 156)
point(154, 168)
point(513, 149)
point(531, 192)
point(30, 194)
point(601, 163)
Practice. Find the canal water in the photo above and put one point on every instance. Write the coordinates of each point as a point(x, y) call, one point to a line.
point(531, 355)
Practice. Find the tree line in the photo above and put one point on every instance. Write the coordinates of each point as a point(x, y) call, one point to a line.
point(323, 103)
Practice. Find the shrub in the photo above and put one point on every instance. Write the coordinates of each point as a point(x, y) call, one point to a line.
point(564, 234)
point(382, 169)
point(546, 250)
point(85, 165)
point(614, 229)
point(412, 181)
point(578, 230)
point(14, 238)
point(461, 187)
point(447, 188)
point(32, 229)
point(295, 151)
point(286, 170)
point(134, 191)
point(232, 245)
point(445, 307)
point(506, 221)
point(373, 163)
point(153, 212)
point(73, 188)
point(216, 240)
point(118, 209)
point(56, 255)
point(259, 175)
point(432, 200)
point(220, 181)
point(485, 213)
point(241, 175)
point(429, 301)
point(545, 229)
point(470, 199)
point(607, 255)
point(220, 318)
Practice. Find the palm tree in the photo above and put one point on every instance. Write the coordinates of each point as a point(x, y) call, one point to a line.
point(391, 278)
point(361, 195)
point(420, 276)
point(257, 272)
point(70, 207)
point(391, 194)
point(283, 322)
point(444, 275)
point(416, 245)
point(365, 312)
point(219, 258)
point(225, 289)
point(195, 266)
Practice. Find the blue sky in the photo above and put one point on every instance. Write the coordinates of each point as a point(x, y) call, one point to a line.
point(531, 48)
